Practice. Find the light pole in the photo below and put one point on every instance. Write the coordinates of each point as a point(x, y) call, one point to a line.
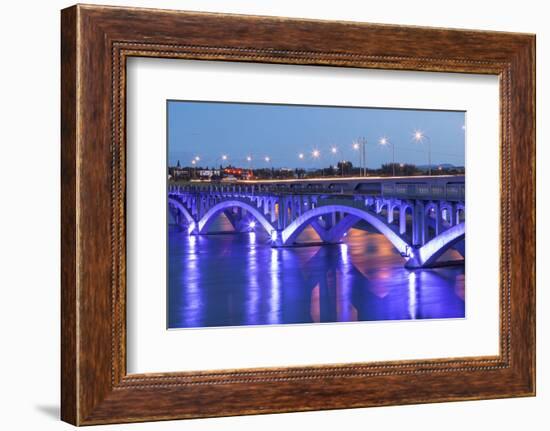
point(385, 141)
point(364, 145)
point(334, 151)
point(359, 145)
point(299, 171)
point(356, 147)
point(249, 160)
point(267, 160)
point(223, 158)
point(194, 163)
point(419, 136)
point(316, 154)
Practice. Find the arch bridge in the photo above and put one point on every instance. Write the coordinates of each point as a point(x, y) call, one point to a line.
point(421, 217)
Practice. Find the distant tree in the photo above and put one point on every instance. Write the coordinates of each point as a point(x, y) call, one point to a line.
point(407, 169)
point(345, 168)
point(299, 173)
point(390, 168)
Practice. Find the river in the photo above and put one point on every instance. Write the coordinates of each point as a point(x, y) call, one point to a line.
point(229, 279)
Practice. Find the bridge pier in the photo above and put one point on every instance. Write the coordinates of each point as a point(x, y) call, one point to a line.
point(403, 217)
point(418, 237)
point(276, 238)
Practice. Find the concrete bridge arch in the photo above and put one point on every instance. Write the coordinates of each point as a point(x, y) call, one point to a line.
point(190, 222)
point(291, 232)
point(428, 254)
point(212, 213)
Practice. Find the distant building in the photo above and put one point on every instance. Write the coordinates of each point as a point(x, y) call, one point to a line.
point(178, 173)
point(208, 173)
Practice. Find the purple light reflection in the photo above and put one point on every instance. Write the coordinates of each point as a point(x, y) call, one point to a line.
point(239, 279)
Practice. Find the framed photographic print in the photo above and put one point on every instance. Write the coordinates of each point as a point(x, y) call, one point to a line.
point(265, 214)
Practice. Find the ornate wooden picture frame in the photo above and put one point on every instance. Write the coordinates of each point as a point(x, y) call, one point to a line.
point(96, 41)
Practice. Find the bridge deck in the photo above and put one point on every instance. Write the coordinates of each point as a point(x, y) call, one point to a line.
point(448, 187)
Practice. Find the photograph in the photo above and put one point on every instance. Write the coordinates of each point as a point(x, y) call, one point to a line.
point(282, 214)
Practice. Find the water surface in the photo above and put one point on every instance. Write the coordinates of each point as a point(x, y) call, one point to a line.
point(230, 279)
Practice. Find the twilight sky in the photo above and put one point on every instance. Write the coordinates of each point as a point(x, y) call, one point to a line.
point(237, 130)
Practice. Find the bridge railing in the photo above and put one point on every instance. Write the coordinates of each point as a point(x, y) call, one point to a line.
point(449, 191)
point(454, 191)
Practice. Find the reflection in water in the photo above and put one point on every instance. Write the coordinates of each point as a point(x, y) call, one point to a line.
point(238, 279)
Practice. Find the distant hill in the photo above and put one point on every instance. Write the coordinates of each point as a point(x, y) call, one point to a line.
point(443, 165)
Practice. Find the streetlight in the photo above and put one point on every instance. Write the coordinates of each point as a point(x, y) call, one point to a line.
point(343, 163)
point(420, 136)
point(316, 154)
point(194, 162)
point(385, 141)
point(223, 159)
point(356, 147)
point(249, 160)
point(334, 151)
point(299, 172)
point(267, 160)
point(359, 145)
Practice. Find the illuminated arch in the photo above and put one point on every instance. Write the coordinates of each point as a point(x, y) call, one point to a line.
point(297, 226)
point(213, 212)
point(426, 255)
point(181, 208)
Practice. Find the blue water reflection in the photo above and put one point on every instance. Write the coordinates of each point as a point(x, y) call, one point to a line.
point(238, 279)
